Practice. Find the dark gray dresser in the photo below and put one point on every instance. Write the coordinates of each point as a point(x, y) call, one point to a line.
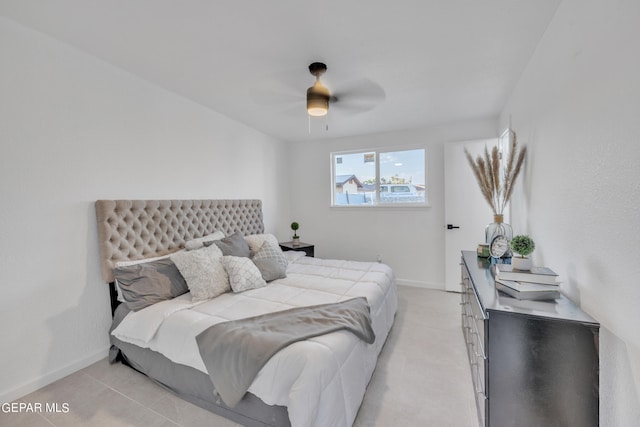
point(533, 363)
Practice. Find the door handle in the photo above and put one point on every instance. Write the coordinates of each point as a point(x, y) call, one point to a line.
point(451, 226)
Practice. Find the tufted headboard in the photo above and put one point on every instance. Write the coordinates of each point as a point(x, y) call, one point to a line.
point(137, 229)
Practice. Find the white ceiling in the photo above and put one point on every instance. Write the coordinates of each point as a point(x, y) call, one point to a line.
point(437, 61)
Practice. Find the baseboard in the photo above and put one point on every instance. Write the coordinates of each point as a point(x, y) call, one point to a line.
point(31, 386)
point(420, 284)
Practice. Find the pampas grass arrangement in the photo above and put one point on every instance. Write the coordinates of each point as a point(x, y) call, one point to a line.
point(496, 183)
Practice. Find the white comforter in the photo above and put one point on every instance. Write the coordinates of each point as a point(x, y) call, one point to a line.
point(321, 381)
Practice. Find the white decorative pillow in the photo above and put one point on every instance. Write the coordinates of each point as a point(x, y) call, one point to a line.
point(203, 271)
point(255, 241)
point(194, 244)
point(243, 273)
point(270, 261)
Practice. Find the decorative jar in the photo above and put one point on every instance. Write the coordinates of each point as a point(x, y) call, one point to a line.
point(497, 228)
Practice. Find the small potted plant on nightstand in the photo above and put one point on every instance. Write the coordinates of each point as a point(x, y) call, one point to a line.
point(296, 239)
point(524, 246)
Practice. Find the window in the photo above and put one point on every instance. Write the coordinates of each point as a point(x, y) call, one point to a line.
point(379, 178)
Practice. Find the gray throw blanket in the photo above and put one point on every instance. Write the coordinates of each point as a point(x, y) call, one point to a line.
point(235, 351)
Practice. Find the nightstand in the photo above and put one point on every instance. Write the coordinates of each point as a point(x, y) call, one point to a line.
point(307, 248)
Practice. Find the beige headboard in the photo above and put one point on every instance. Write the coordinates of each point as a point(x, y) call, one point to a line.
point(137, 229)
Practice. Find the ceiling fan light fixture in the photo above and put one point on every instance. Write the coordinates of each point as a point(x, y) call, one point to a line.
point(317, 100)
point(317, 111)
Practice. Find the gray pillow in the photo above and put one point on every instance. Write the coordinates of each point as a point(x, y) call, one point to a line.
point(148, 283)
point(270, 261)
point(233, 245)
point(193, 244)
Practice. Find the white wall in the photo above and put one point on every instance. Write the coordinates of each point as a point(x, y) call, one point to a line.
point(577, 107)
point(411, 240)
point(72, 130)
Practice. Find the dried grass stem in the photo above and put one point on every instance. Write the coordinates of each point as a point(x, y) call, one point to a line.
point(496, 183)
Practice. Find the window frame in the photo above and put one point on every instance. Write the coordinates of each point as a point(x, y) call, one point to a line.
point(378, 151)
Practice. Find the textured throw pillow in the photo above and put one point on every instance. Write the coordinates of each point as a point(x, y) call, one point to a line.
point(203, 271)
point(234, 245)
point(146, 283)
point(255, 241)
point(198, 243)
point(243, 273)
point(270, 261)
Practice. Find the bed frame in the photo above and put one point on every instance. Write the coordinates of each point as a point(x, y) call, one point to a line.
point(138, 229)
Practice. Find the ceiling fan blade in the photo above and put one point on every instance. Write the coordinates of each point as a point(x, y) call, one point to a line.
point(359, 96)
point(284, 87)
point(273, 96)
point(352, 107)
point(362, 88)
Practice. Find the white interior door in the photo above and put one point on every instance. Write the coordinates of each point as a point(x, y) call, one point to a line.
point(464, 207)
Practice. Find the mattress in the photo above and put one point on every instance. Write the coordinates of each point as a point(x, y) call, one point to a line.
point(320, 381)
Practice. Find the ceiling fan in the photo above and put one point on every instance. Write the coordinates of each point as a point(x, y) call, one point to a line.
point(345, 97)
point(362, 95)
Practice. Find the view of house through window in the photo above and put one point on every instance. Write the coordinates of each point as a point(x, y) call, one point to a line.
point(378, 178)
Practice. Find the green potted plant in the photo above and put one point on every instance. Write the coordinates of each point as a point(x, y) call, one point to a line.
point(296, 239)
point(524, 246)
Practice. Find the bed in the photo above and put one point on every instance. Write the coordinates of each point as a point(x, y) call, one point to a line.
point(319, 381)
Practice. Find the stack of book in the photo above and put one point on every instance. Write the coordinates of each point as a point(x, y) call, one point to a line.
point(539, 283)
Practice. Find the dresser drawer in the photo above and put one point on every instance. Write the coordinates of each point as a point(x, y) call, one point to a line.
point(473, 328)
point(473, 311)
point(478, 322)
point(477, 348)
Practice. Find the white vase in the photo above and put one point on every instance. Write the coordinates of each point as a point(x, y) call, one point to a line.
point(519, 263)
point(296, 241)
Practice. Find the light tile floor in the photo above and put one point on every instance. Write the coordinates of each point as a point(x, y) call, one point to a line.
point(422, 380)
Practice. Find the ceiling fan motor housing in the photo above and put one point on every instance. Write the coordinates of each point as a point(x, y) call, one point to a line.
point(317, 69)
